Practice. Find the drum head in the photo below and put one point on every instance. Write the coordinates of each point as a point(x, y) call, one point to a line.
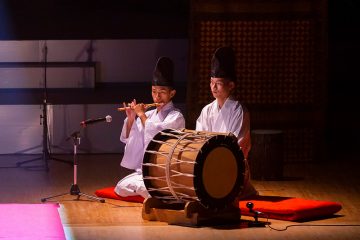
point(219, 172)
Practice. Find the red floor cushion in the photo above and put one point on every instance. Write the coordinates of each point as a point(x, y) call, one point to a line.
point(288, 208)
point(109, 192)
point(274, 207)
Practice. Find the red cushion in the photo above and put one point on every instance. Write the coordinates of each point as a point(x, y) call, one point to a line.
point(110, 193)
point(275, 207)
point(288, 208)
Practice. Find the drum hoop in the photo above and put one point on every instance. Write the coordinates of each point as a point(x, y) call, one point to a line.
point(168, 165)
point(146, 159)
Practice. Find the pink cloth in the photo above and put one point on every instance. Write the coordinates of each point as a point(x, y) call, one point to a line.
point(30, 221)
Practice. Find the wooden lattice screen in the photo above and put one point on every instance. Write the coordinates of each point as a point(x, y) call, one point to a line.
point(277, 69)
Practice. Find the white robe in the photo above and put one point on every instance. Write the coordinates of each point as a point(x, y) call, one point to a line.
point(231, 117)
point(136, 144)
point(140, 136)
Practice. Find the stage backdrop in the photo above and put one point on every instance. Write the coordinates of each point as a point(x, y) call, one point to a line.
point(85, 79)
point(281, 66)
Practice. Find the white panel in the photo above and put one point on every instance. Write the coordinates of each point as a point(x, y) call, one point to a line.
point(21, 131)
point(69, 50)
point(74, 77)
point(21, 77)
point(19, 51)
point(100, 137)
point(123, 60)
point(70, 78)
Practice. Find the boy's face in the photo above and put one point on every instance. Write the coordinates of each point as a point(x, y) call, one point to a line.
point(221, 88)
point(162, 94)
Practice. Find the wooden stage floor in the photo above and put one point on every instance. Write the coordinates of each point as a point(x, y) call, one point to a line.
point(86, 219)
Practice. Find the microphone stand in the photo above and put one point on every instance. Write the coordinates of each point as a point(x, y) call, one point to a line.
point(46, 156)
point(256, 222)
point(75, 190)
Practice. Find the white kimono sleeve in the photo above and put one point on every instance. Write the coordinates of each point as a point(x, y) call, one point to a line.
point(244, 135)
point(240, 127)
point(201, 122)
point(174, 119)
point(134, 148)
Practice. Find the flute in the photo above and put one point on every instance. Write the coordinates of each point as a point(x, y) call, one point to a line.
point(146, 106)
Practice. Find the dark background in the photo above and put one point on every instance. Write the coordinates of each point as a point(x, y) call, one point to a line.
point(134, 19)
point(88, 19)
point(343, 71)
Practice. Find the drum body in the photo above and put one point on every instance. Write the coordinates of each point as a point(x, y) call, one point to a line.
point(181, 166)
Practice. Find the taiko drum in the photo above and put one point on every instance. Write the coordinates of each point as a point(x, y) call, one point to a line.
point(185, 165)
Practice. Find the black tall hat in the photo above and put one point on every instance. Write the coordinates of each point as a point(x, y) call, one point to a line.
point(223, 63)
point(163, 72)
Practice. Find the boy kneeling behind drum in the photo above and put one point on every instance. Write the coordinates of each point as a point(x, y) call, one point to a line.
point(225, 114)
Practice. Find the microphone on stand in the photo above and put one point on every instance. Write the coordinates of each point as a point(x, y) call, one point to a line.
point(84, 123)
point(256, 222)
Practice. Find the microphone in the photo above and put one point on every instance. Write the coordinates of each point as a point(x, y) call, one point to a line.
point(256, 222)
point(84, 123)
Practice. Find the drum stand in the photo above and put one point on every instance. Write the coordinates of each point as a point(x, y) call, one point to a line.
point(75, 190)
point(188, 214)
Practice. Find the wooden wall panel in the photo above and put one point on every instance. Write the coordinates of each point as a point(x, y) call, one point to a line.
point(281, 54)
